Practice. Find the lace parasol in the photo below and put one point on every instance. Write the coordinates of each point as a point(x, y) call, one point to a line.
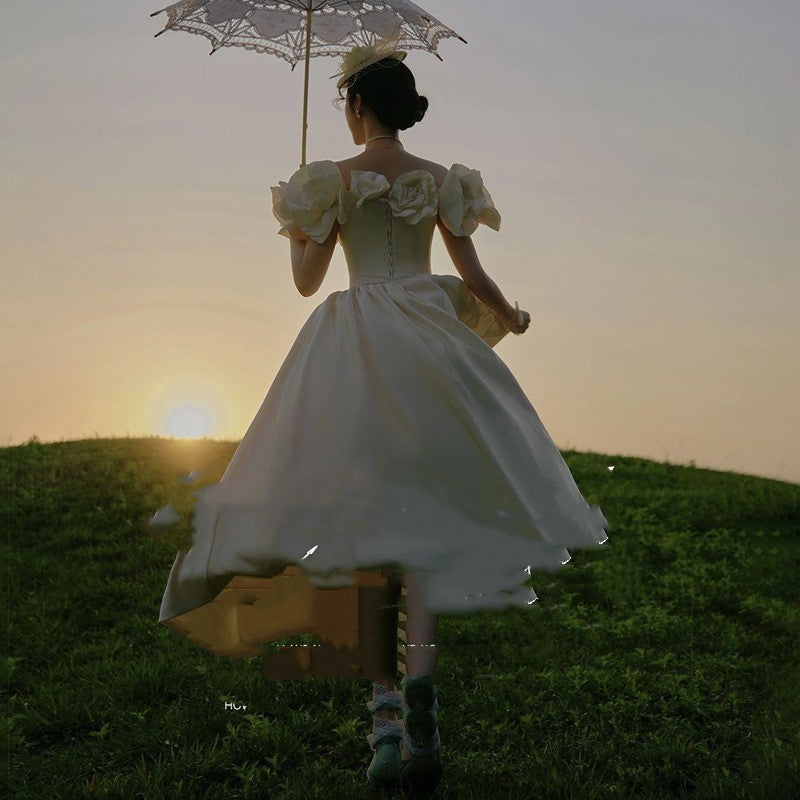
point(301, 29)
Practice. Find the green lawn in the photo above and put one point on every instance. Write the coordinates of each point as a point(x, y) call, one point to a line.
point(665, 665)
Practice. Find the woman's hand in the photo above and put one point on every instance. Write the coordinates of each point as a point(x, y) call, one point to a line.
point(519, 320)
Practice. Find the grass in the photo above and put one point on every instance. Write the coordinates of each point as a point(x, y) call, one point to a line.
point(665, 666)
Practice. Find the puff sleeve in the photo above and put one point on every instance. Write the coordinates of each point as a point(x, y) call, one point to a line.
point(310, 202)
point(464, 202)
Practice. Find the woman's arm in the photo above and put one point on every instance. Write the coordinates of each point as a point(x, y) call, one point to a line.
point(465, 258)
point(310, 261)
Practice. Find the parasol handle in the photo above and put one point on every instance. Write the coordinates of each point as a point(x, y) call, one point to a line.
point(305, 87)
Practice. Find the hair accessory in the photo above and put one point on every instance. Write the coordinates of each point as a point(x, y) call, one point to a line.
point(361, 56)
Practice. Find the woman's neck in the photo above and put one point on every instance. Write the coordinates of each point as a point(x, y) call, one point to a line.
point(382, 141)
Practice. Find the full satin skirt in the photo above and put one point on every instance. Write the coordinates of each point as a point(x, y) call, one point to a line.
point(393, 437)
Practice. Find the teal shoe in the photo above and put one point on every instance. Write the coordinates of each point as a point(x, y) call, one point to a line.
point(385, 737)
point(385, 742)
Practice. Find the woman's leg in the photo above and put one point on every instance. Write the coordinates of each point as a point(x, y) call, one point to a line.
point(387, 681)
point(420, 744)
point(421, 625)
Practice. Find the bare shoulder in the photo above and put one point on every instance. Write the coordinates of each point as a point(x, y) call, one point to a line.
point(347, 165)
point(438, 171)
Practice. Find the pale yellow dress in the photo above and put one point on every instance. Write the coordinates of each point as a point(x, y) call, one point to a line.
point(392, 438)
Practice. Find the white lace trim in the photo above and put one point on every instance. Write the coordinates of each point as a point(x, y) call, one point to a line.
point(384, 729)
point(383, 697)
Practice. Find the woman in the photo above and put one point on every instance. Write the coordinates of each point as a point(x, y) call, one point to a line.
point(393, 436)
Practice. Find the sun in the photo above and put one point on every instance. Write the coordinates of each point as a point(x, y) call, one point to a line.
point(187, 422)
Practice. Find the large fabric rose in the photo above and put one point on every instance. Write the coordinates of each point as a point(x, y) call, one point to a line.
point(367, 185)
point(414, 196)
point(464, 202)
point(311, 201)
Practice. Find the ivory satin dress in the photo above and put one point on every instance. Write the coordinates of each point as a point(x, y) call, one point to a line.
point(392, 438)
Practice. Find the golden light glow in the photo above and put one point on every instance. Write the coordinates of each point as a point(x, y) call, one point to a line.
point(187, 422)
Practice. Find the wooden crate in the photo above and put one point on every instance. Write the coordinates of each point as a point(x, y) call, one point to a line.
point(361, 629)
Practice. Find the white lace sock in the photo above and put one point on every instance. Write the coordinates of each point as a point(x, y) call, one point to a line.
point(383, 697)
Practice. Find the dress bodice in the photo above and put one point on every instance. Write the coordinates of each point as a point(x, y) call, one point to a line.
point(378, 245)
point(385, 229)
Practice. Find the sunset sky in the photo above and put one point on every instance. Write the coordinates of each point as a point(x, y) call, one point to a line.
point(644, 156)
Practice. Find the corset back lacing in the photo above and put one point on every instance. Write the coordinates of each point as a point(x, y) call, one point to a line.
point(389, 240)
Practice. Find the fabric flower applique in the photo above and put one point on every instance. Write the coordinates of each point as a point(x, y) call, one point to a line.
point(367, 185)
point(310, 202)
point(465, 201)
point(414, 196)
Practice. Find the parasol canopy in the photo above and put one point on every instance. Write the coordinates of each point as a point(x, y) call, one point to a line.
point(297, 30)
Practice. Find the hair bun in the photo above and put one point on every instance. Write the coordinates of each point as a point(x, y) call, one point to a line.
point(389, 91)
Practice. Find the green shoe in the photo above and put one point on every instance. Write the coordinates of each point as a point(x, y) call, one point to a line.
point(385, 742)
point(386, 735)
point(420, 775)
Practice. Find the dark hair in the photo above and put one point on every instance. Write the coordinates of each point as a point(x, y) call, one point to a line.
point(388, 88)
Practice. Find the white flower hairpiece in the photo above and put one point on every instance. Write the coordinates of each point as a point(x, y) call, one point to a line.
point(361, 56)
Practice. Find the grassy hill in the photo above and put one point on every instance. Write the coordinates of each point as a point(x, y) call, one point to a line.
point(665, 666)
